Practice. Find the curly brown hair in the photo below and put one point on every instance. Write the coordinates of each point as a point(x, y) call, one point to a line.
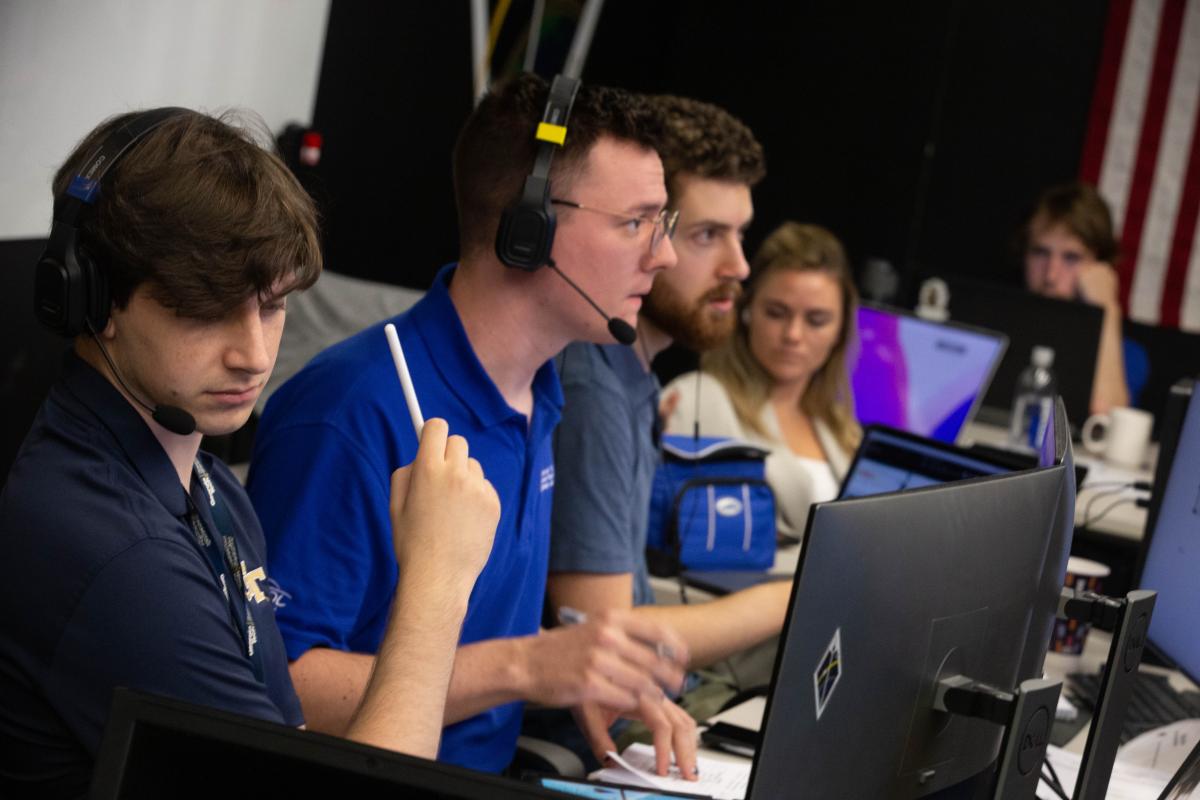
point(199, 212)
point(705, 141)
point(496, 148)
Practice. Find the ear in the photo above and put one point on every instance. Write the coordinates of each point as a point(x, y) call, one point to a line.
point(110, 328)
point(746, 315)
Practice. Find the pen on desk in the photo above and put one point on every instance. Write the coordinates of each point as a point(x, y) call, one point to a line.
point(410, 394)
point(573, 616)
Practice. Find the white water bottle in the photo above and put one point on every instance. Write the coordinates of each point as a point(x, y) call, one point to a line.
point(1033, 402)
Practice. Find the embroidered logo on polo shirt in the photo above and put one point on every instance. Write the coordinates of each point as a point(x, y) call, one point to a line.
point(279, 597)
point(547, 478)
point(251, 580)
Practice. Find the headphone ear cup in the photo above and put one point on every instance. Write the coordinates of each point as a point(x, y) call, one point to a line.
point(96, 297)
point(525, 236)
point(60, 285)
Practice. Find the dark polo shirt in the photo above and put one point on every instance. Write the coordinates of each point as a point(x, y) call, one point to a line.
point(104, 585)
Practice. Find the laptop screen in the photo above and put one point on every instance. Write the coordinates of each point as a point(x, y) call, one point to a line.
point(1071, 329)
point(921, 376)
point(1173, 558)
point(889, 460)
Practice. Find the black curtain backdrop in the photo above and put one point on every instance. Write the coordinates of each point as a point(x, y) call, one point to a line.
point(919, 133)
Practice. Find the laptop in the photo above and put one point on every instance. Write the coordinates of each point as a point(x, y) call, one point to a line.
point(161, 747)
point(921, 376)
point(1071, 329)
point(889, 460)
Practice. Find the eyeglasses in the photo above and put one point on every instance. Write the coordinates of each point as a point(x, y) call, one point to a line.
point(663, 223)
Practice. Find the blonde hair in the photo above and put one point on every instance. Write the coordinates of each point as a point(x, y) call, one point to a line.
point(800, 248)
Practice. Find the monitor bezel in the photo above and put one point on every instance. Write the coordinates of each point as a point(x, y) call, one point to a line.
point(1020, 647)
point(1162, 475)
point(132, 709)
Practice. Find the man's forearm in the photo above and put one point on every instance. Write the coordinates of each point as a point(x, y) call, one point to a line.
point(487, 674)
point(402, 707)
point(330, 684)
point(727, 625)
point(1109, 388)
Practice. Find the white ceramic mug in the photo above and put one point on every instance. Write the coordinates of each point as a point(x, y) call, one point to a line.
point(1120, 436)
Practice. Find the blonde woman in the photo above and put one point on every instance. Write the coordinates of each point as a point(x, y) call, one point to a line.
point(781, 379)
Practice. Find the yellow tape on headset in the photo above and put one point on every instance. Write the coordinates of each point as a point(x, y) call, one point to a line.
point(555, 134)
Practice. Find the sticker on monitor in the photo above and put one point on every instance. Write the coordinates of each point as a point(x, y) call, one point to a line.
point(828, 672)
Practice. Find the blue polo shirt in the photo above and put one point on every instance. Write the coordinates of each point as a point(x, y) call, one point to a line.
point(324, 452)
point(104, 586)
point(606, 453)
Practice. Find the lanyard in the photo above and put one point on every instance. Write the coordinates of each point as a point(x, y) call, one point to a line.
point(226, 566)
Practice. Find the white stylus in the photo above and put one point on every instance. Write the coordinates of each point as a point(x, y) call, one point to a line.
point(410, 394)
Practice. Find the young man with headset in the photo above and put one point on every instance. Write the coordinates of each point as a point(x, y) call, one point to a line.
point(135, 559)
point(580, 210)
point(605, 449)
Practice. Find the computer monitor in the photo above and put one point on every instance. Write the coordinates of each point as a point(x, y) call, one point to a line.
point(1170, 426)
point(921, 376)
point(157, 747)
point(893, 593)
point(888, 460)
point(1071, 329)
point(1056, 450)
point(1172, 559)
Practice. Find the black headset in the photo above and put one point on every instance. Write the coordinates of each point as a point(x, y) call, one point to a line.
point(526, 231)
point(71, 292)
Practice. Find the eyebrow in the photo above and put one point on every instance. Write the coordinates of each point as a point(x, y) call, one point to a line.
point(716, 223)
point(646, 209)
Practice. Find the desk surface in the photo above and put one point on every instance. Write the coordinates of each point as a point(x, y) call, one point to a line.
point(1102, 504)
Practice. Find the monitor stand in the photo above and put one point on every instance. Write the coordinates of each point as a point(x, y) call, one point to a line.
point(1026, 716)
point(1129, 620)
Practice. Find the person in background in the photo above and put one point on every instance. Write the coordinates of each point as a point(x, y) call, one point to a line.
point(142, 563)
point(781, 379)
point(1071, 254)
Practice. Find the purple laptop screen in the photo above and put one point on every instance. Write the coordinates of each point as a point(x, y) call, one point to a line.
point(920, 376)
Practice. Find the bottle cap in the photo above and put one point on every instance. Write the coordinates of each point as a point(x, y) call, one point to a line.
point(1043, 356)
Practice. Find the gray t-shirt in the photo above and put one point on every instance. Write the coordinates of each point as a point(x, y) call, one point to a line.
point(605, 454)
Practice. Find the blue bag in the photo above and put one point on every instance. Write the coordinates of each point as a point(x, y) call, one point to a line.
point(710, 507)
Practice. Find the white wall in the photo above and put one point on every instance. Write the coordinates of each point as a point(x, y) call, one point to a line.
point(67, 64)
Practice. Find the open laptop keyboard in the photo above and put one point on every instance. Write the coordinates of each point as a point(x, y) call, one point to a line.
point(1152, 704)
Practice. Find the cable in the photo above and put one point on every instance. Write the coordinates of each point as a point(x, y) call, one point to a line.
point(1054, 782)
point(1087, 509)
point(1118, 488)
point(498, 16)
point(1104, 512)
point(1053, 785)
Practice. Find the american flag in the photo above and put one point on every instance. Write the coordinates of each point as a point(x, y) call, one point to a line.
point(1143, 153)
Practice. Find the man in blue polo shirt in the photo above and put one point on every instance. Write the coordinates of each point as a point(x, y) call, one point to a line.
point(135, 559)
point(479, 346)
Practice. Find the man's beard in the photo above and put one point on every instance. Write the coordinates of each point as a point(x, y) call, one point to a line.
point(695, 325)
